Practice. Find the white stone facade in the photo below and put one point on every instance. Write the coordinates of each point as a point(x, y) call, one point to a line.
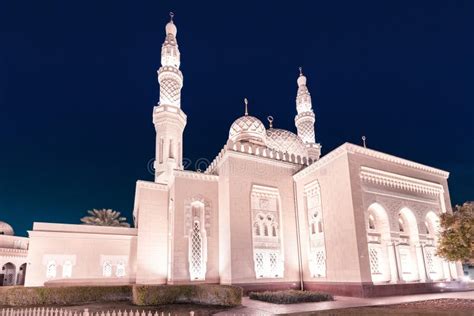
point(268, 212)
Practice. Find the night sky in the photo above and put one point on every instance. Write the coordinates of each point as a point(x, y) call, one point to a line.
point(78, 84)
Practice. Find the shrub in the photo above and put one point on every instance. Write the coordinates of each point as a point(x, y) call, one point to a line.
point(26, 296)
point(205, 294)
point(290, 296)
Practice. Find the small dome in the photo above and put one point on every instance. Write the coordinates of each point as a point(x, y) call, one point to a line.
point(301, 80)
point(247, 128)
point(171, 29)
point(286, 142)
point(6, 229)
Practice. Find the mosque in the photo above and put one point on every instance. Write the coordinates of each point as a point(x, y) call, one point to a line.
point(268, 213)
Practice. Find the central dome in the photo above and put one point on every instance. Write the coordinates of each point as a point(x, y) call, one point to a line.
point(247, 128)
point(6, 229)
point(286, 142)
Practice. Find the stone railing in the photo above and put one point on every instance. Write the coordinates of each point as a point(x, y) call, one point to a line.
point(258, 150)
point(41, 311)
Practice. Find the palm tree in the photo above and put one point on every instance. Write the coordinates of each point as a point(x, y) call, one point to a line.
point(105, 217)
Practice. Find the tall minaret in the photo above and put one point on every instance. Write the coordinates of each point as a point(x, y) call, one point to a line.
point(168, 118)
point(305, 118)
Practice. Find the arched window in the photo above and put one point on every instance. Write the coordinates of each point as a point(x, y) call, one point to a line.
point(320, 227)
point(265, 230)
point(51, 270)
point(162, 142)
point(67, 269)
point(257, 229)
point(401, 225)
point(120, 270)
point(427, 228)
point(196, 253)
point(107, 269)
point(171, 152)
point(371, 222)
point(197, 241)
point(274, 231)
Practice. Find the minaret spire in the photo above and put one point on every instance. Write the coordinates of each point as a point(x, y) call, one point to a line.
point(168, 118)
point(305, 118)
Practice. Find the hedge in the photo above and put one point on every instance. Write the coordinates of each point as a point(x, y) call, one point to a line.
point(27, 296)
point(204, 294)
point(290, 296)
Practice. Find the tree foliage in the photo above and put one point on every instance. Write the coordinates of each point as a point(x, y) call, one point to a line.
point(105, 217)
point(456, 241)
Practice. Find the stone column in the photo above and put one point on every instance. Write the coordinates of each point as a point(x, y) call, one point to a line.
point(423, 253)
point(420, 263)
point(392, 260)
point(399, 263)
point(446, 272)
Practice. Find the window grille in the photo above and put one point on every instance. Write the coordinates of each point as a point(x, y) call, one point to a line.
point(430, 261)
point(374, 261)
point(107, 269)
point(120, 270)
point(67, 269)
point(320, 263)
point(51, 270)
point(259, 270)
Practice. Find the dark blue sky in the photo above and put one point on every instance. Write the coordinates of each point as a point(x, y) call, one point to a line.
point(78, 83)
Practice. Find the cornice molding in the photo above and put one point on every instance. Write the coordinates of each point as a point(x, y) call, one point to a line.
point(195, 175)
point(392, 180)
point(354, 149)
point(152, 185)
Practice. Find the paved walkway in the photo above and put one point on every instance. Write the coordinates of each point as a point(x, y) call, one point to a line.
point(253, 307)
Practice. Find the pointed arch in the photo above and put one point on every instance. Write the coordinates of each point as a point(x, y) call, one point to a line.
point(410, 225)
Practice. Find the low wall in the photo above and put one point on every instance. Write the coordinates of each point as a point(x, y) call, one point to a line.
point(379, 290)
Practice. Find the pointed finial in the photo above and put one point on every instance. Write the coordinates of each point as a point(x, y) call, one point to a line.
point(171, 16)
point(363, 141)
point(270, 120)
point(301, 70)
point(246, 106)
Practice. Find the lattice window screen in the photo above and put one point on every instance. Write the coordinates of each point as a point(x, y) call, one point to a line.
point(196, 263)
point(430, 266)
point(374, 261)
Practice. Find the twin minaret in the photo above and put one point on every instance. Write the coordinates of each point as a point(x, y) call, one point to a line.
point(305, 118)
point(170, 120)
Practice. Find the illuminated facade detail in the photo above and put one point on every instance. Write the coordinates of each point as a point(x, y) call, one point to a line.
point(267, 240)
point(267, 211)
point(317, 248)
point(51, 270)
point(67, 269)
point(197, 251)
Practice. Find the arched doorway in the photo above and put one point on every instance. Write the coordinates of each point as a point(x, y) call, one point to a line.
point(407, 247)
point(20, 279)
point(379, 241)
point(8, 274)
point(433, 264)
